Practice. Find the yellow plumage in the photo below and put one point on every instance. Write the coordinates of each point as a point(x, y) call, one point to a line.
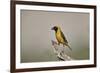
point(60, 36)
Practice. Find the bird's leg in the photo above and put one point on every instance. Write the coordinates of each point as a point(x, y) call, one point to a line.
point(63, 45)
point(58, 43)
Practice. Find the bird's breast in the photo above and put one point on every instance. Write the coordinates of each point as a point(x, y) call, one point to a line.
point(59, 37)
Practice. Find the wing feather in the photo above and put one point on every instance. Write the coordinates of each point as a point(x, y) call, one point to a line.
point(64, 37)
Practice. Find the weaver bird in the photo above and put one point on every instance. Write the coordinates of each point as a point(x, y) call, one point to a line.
point(60, 37)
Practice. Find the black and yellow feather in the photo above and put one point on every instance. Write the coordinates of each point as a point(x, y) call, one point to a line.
point(60, 37)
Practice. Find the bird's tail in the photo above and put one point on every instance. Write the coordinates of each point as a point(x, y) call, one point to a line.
point(68, 46)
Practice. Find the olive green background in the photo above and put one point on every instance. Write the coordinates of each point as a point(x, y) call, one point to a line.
point(36, 34)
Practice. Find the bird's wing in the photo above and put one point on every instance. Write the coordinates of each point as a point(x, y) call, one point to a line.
point(63, 37)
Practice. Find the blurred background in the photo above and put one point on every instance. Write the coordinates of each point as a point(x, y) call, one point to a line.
point(36, 34)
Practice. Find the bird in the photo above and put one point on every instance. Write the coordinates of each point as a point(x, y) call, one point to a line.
point(60, 36)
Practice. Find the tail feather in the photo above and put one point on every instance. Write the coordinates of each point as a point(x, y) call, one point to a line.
point(68, 46)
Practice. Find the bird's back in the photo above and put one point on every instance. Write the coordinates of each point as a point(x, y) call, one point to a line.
point(64, 37)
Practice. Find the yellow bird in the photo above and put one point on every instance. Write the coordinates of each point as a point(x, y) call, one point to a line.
point(60, 37)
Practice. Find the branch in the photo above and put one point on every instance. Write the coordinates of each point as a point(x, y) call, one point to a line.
point(59, 51)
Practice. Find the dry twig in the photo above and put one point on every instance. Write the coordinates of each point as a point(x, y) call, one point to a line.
point(59, 51)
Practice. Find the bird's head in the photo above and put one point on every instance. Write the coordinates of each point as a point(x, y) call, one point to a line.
point(55, 28)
